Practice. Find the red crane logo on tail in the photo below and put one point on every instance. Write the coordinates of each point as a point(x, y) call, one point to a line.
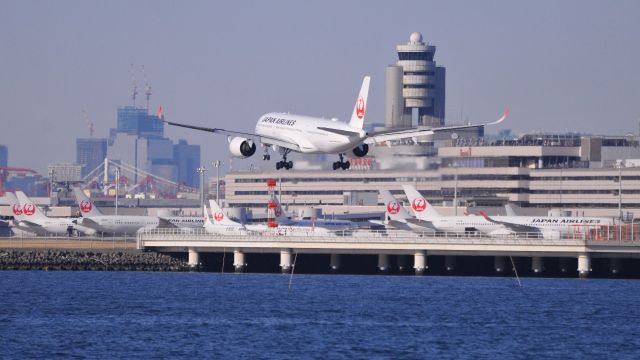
point(218, 216)
point(29, 209)
point(393, 208)
point(419, 204)
point(85, 206)
point(360, 108)
point(17, 210)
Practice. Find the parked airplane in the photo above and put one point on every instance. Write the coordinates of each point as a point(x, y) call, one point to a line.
point(396, 216)
point(114, 224)
point(221, 224)
point(28, 217)
point(285, 133)
point(549, 227)
point(333, 225)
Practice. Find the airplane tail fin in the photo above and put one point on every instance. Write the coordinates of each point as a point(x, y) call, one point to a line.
point(87, 208)
point(207, 219)
point(509, 210)
point(219, 217)
point(419, 205)
point(393, 208)
point(16, 208)
point(281, 215)
point(28, 207)
point(360, 108)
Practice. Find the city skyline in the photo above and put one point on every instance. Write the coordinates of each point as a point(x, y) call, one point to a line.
point(567, 66)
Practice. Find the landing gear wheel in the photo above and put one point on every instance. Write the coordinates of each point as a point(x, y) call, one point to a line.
point(346, 165)
point(266, 157)
point(290, 165)
point(336, 165)
point(278, 165)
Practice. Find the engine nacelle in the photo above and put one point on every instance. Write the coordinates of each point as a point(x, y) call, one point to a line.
point(242, 147)
point(361, 150)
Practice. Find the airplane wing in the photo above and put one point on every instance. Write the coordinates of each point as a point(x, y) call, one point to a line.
point(87, 222)
point(255, 137)
point(164, 223)
point(511, 226)
point(422, 223)
point(380, 137)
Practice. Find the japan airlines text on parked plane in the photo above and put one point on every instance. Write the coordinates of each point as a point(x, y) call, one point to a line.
point(312, 135)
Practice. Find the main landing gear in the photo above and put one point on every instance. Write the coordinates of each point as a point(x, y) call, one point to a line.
point(344, 165)
point(284, 164)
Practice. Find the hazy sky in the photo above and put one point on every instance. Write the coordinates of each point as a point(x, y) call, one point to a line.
point(559, 65)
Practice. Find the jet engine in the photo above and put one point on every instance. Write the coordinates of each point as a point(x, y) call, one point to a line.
point(242, 147)
point(361, 150)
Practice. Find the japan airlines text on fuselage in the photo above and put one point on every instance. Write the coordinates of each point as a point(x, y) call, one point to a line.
point(309, 132)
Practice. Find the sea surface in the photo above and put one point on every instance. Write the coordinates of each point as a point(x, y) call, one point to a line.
point(227, 316)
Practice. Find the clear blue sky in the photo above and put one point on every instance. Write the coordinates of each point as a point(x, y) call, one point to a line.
point(559, 65)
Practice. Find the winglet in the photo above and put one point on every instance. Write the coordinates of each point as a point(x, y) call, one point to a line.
point(502, 118)
point(360, 108)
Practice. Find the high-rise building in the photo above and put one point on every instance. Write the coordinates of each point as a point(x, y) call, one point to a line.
point(423, 86)
point(137, 121)
point(4, 155)
point(90, 153)
point(187, 160)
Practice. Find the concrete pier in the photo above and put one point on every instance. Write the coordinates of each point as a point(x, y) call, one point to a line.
point(449, 264)
point(537, 265)
point(499, 264)
point(334, 262)
point(584, 265)
point(285, 260)
point(383, 263)
point(238, 260)
point(194, 258)
point(420, 262)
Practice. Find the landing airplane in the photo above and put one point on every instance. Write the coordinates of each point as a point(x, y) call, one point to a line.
point(285, 133)
point(547, 226)
point(28, 217)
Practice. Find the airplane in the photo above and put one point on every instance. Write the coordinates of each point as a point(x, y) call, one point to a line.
point(333, 225)
point(546, 226)
point(28, 217)
point(114, 224)
point(397, 217)
point(221, 224)
point(285, 226)
point(286, 133)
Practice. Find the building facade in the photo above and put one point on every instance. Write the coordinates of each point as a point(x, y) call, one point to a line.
point(90, 153)
point(4, 155)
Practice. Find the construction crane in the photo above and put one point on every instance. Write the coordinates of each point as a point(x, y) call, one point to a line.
point(88, 122)
point(147, 87)
point(134, 84)
point(5, 172)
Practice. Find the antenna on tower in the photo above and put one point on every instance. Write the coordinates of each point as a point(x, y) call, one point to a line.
point(134, 93)
point(88, 122)
point(147, 87)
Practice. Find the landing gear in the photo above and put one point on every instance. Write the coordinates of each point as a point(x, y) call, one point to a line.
point(284, 164)
point(344, 165)
point(266, 155)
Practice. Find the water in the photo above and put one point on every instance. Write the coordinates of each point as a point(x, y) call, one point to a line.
point(204, 315)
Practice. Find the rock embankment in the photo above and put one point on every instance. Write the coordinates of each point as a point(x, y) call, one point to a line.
point(89, 260)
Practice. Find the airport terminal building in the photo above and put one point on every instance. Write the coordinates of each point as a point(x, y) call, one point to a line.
point(536, 172)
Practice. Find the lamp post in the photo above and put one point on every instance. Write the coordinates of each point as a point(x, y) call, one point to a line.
point(217, 164)
point(117, 186)
point(201, 170)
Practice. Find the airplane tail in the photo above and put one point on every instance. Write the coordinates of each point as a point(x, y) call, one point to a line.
point(359, 110)
point(207, 219)
point(219, 217)
point(281, 216)
point(419, 205)
point(393, 209)
point(29, 209)
point(16, 208)
point(87, 208)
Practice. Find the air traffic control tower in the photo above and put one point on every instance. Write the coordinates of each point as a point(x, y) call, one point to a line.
point(415, 86)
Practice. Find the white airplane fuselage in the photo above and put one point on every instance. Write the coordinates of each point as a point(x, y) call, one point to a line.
point(121, 224)
point(307, 132)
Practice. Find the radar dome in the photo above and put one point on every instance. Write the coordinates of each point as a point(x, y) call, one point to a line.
point(415, 38)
